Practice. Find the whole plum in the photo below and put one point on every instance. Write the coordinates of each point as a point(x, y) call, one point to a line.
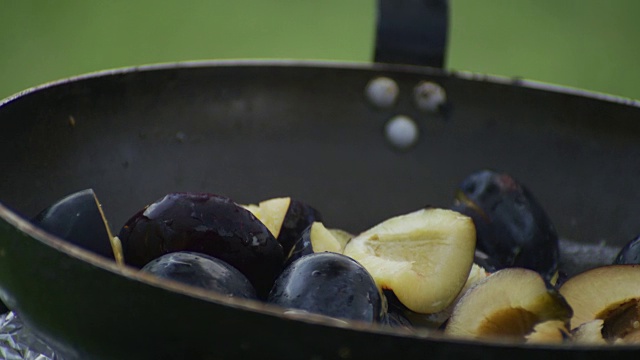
point(512, 228)
point(330, 284)
point(202, 271)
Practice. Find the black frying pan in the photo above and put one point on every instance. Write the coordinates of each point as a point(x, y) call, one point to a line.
point(254, 130)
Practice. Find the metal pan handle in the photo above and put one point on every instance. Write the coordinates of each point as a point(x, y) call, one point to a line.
point(412, 32)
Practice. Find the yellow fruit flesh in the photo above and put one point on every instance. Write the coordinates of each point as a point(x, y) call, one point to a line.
point(424, 257)
point(596, 293)
point(323, 240)
point(511, 302)
point(271, 213)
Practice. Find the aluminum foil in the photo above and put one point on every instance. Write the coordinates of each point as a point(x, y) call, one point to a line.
point(18, 343)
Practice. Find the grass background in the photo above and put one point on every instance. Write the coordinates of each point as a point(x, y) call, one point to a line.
point(589, 44)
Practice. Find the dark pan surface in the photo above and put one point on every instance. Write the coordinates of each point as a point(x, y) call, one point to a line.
point(256, 130)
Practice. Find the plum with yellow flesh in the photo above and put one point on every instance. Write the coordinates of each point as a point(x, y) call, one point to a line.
point(286, 218)
point(508, 304)
point(78, 218)
point(424, 257)
point(209, 224)
point(608, 293)
point(438, 319)
point(316, 238)
point(271, 212)
point(552, 331)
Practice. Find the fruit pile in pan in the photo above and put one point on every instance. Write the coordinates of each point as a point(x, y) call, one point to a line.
point(487, 268)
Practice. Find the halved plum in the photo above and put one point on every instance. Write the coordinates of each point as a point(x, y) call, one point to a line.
point(424, 257)
point(287, 218)
point(79, 219)
point(608, 293)
point(510, 303)
point(206, 223)
point(317, 238)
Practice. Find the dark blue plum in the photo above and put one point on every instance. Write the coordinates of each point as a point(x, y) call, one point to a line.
point(512, 228)
point(301, 247)
point(208, 224)
point(203, 271)
point(629, 254)
point(77, 218)
point(299, 216)
point(329, 284)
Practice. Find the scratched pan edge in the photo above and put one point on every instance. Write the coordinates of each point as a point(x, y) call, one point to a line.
point(255, 129)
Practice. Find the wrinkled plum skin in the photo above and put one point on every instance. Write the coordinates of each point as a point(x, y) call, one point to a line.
point(630, 253)
point(511, 227)
point(77, 219)
point(299, 216)
point(301, 247)
point(209, 224)
point(202, 271)
point(329, 284)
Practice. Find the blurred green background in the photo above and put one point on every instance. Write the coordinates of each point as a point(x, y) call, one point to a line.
point(589, 44)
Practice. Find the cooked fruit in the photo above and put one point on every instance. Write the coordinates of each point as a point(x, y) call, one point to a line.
point(424, 256)
point(299, 216)
point(271, 212)
point(329, 284)
point(286, 218)
point(513, 229)
point(589, 333)
point(343, 237)
point(508, 304)
point(630, 253)
point(202, 271)
point(78, 218)
point(437, 319)
point(552, 331)
point(209, 224)
point(316, 238)
point(609, 293)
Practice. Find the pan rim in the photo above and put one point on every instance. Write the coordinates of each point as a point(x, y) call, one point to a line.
point(329, 64)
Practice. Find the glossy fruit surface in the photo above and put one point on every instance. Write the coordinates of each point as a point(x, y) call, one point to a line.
point(424, 256)
point(205, 223)
point(329, 284)
point(513, 230)
point(316, 238)
point(630, 253)
point(202, 271)
point(78, 219)
point(299, 216)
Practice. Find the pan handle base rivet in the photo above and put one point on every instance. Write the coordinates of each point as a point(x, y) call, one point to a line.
point(401, 131)
point(382, 92)
point(429, 96)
